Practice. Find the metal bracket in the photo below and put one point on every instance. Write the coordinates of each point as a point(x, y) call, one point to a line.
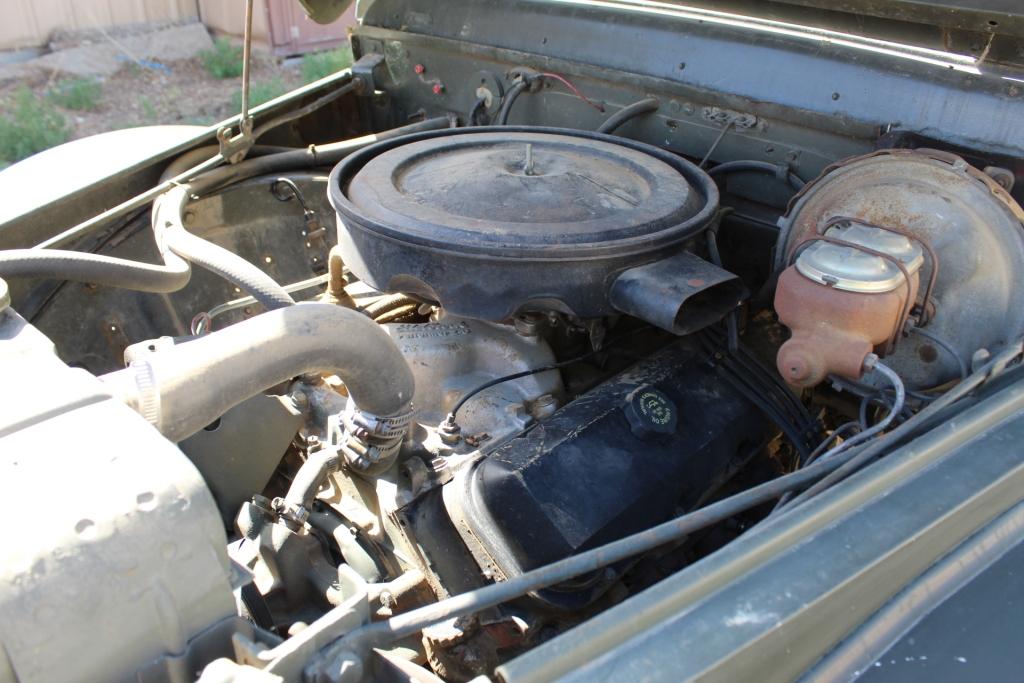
point(739, 120)
point(235, 148)
point(363, 69)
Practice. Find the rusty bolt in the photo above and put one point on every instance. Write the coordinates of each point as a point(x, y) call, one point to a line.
point(449, 431)
point(299, 400)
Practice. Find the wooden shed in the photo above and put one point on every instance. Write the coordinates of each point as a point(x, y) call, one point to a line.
point(279, 25)
point(29, 23)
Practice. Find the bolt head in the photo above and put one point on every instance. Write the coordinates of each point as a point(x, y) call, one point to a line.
point(438, 88)
point(450, 431)
point(419, 68)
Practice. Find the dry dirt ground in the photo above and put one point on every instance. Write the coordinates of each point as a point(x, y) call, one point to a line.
point(139, 96)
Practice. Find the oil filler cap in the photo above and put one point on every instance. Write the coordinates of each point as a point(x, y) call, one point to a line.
point(650, 412)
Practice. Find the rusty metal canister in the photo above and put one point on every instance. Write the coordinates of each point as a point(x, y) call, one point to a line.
point(847, 295)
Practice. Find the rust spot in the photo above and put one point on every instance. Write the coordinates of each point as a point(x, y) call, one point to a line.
point(696, 282)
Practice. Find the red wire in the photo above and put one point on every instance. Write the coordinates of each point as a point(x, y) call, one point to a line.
point(574, 89)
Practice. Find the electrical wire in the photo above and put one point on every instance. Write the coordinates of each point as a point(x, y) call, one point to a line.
point(450, 419)
point(763, 388)
point(752, 392)
point(516, 375)
point(524, 82)
point(714, 145)
point(575, 91)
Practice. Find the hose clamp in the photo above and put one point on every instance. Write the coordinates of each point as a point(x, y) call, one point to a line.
point(146, 392)
point(367, 440)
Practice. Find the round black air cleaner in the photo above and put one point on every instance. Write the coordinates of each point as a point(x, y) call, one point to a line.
point(492, 221)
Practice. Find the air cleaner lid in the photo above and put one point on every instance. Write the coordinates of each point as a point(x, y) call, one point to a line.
point(489, 222)
point(522, 193)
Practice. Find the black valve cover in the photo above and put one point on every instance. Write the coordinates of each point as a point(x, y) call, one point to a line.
point(627, 455)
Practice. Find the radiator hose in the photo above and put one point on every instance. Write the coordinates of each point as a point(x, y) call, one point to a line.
point(183, 388)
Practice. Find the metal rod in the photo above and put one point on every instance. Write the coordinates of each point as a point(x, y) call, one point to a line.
point(203, 320)
point(246, 59)
point(137, 202)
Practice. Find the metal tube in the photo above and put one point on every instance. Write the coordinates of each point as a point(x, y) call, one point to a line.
point(137, 202)
point(406, 624)
point(246, 59)
point(1012, 354)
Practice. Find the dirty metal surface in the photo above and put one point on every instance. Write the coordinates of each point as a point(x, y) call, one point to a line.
point(973, 226)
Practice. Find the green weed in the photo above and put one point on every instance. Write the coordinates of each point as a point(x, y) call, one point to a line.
point(317, 65)
point(224, 60)
point(31, 126)
point(79, 94)
point(259, 92)
point(147, 112)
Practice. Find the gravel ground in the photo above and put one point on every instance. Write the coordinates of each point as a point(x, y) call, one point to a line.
point(137, 96)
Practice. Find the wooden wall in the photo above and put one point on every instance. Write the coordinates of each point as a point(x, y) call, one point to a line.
point(29, 23)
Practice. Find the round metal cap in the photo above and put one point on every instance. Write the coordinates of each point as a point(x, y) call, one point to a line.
point(490, 222)
point(528, 193)
point(852, 270)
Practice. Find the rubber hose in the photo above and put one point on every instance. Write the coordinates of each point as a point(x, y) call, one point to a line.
point(198, 155)
point(314, 155)
point(183, 388)
point(644, 106)
point(387, 304)
point(311, 476)
point(174, 275)
point(100, 270)
point(397, 315)
point(171, 235)
point(743, 166)
point(510, 99)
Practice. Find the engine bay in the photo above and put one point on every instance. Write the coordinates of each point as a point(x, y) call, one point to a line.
point(334, 399)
